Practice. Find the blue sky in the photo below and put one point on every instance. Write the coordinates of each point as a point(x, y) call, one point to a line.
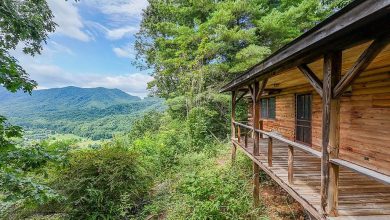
point(92, 47)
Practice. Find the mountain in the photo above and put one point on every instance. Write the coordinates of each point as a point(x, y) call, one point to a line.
point(69, 97)
point(91, 112)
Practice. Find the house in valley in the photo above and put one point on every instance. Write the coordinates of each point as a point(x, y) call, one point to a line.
point(319, 115)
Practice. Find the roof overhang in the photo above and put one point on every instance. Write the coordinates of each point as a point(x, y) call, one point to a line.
point(360, 21)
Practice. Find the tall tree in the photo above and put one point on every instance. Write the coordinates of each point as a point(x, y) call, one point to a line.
point(26, 24)
point(194, 44)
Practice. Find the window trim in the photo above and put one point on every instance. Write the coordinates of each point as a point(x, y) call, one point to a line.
point(267, 109)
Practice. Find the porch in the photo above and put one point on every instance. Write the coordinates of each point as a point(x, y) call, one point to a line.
point(362, 194)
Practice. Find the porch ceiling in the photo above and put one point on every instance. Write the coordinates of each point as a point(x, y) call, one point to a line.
point(294, 77)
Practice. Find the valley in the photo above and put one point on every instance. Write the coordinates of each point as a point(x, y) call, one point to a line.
point(95, 113)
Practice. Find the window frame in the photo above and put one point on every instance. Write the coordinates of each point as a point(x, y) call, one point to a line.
point(267, 108)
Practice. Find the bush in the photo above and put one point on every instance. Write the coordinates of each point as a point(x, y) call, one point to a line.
point(110, 182)
point(203, 186)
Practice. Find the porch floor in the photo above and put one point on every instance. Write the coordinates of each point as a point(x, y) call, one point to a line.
point(359, 196)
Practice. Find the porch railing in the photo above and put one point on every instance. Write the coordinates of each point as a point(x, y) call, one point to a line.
point(385, 179)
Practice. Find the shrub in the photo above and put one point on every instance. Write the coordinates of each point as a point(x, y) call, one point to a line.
point(110, 182)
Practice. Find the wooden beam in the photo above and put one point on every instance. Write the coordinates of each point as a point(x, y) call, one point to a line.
point(250, 88)
point(313, 79)
point(270, 151)
point(360, 65)
point(240, 97)
point(233, 126)
point(290, 164)
point(330, 131)
point(262, 88)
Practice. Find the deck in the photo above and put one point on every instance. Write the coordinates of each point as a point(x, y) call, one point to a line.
point(359, 196)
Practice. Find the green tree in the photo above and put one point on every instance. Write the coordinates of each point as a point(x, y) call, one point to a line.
point(196, 46)
point(26, 24)
point(192, 45)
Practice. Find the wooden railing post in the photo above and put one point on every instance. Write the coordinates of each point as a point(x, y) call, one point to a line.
point(238, 134)
point(261, 128)
point(256, 184)
point(269, 151)
point(330, 133)
point(233, 126)
point(290, 164)
point(246, 139)
point(255, 90)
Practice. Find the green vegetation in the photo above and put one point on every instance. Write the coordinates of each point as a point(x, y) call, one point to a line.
point(172, 164)
point(96, 113)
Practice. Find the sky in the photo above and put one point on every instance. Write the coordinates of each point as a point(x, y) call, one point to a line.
point(91, 47)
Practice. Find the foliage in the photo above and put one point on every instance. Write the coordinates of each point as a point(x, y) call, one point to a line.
point(8, 132)
point(24, 173)
point(26, 23)
point(149, 123)
point(192, 45)
point(105, 183)
point(22, 21)
point(205, 186)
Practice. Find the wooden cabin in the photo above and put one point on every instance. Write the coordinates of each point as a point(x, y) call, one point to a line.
point(319, 115)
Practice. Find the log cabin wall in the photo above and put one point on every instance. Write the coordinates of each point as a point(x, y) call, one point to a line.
point(364, 120)
point(284, 122)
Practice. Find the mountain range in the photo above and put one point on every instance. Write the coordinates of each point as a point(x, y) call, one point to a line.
point(97, 113)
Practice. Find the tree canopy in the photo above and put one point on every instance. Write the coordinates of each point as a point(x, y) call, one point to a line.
point(191, 45)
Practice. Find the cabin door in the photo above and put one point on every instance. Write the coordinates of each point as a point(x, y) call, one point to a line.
point(303, 119)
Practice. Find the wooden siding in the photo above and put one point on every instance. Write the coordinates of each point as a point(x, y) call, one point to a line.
point(365, 123)
point(364, 120)
point(284, 122)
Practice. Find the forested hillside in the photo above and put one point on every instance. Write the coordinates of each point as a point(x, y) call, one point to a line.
point(96, 113)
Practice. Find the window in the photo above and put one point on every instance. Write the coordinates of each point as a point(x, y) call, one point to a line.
point(268, 108)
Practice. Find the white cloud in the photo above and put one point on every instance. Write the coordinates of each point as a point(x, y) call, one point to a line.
point(55, 47)
point(113, 33)
point(120, 9)
point(69, 21)
point(119, 33)
point(134, 84)
point(51, 76)
point(125, 52)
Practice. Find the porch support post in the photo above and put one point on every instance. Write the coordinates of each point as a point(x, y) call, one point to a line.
point(256, 169)
point(233, 127)
point(256, 118)
point(330, 134)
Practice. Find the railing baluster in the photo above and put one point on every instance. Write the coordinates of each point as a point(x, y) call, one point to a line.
point(238, 134)
point(269, 151)
point(261, 128)
point(290, 164)
point(246, 139)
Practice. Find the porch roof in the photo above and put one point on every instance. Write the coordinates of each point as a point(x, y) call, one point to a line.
point(358, 22)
